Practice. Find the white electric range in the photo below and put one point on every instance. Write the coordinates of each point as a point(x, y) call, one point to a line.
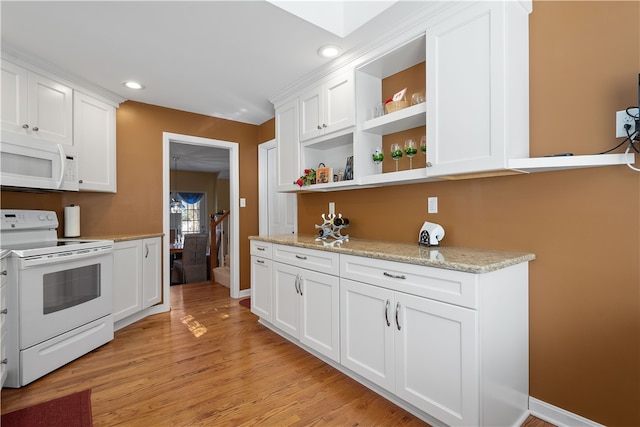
point(59, 295)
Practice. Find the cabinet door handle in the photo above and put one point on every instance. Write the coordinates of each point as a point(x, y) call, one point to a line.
point(25, 126)
point(35, 129)
point(429, 164)
point(397, 312)
point(296, 284)
point(324, 125)
point(3, 273)
point(301, 257)
point(3, 311)
point(386, 313)
point(4, 361)
point(300, 285)
point(395, 276)
point(319, 127)
point(146, 247)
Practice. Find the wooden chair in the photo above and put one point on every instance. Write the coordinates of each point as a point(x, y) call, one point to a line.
point(193, 265)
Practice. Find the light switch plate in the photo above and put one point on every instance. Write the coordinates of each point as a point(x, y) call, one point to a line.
point(243, 202)
point(432, 205)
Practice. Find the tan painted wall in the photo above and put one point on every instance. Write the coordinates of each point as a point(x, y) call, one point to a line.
point(137, 206)
point(583, 226)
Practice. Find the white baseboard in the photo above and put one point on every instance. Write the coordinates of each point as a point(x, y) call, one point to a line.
point(558, 416)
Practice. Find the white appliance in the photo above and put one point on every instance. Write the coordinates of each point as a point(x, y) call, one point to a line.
point(59, 295)
point(42, 165)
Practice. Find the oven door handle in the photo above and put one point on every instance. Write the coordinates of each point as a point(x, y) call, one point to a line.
point(61, 257)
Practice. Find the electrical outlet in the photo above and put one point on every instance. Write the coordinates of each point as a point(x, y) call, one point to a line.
point(623, 118)
point(332, 208)
point(432, 205)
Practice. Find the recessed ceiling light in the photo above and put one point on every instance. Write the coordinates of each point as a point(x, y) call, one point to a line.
point(133, 85)
point(329, 51)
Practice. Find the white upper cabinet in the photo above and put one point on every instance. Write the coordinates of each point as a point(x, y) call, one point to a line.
point(35, 105)
point(328, 108)
point(477, 89)
point(287, 145)
point(95, 136)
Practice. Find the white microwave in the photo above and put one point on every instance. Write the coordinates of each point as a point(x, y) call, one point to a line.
point(37, 164)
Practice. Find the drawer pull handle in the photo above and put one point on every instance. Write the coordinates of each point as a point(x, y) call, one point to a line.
point(259, 261)
point(259, 248)
point(301, 257)
point(397, 312)
point(395, 276)
point(4, 311)
point(386, 313)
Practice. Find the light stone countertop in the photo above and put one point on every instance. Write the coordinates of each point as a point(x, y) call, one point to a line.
point(120, 237)
point(451, 258)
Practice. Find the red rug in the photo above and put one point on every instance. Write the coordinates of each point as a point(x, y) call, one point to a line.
point(73, 410)
point(246, 303)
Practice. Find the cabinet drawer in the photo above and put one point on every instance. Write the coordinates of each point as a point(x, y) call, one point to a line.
point(449, 286)
point(261, 249)
point(322, 261)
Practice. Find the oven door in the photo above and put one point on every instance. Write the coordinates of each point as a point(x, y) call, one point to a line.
point(62, 293)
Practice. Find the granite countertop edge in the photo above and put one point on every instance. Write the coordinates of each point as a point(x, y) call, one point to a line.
point(469, 260)
point(122, 237)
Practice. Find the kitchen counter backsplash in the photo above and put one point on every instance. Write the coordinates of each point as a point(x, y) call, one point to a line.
point(451, 258)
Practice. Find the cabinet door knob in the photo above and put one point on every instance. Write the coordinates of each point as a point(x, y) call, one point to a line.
point(3, 311)
point(4, 361)
point(397, 312)
point(319, 127)
point(35, 129)
point(25, 126)
point(3, 273)
point(324, 125)
point(429, 164)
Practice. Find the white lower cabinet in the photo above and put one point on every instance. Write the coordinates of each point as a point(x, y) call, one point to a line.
point(261, 267)
point(421, 350)
point(450, 346)
point(306, 297)
point(136, 276)
point(3, 319)
point(306, 306)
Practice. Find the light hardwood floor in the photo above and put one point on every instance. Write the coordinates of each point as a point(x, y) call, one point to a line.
point(209, 363)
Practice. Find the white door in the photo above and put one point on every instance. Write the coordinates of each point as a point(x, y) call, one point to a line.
point(319, 314)
point(367, 331)
point(436, 354)
point(286, 298)
point(278, 211)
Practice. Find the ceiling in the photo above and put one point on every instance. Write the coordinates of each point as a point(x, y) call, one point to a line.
point(218, 58)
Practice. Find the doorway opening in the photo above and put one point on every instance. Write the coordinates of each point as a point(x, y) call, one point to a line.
point(171, 139)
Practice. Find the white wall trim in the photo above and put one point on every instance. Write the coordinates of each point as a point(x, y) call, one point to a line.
point(558, 416)
point(263, 217)
point(234, 205)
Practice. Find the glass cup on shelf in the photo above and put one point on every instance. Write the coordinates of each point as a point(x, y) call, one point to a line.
point(378, 157)
point(410, 150)
point(396, 153)
point(423, 147)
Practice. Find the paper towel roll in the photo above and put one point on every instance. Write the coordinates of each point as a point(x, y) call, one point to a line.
point(72, 221)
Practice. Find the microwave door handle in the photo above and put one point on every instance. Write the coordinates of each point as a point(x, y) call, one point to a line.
point(62, 164)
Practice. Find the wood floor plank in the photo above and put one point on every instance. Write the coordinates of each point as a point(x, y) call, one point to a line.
point(208, 362)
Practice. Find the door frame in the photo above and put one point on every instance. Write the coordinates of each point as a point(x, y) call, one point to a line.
point(234, 206)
